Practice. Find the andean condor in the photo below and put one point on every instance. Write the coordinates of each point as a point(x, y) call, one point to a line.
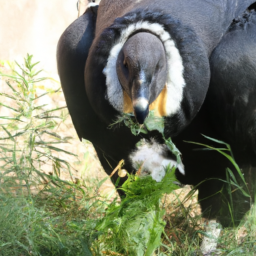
point(192, 61)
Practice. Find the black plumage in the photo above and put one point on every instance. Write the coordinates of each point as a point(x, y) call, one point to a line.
point(215, 43)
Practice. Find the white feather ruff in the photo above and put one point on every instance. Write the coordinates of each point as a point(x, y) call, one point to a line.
point(175, 81)
point(150, 158)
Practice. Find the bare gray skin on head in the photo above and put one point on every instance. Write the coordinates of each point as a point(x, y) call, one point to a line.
point(142, 71)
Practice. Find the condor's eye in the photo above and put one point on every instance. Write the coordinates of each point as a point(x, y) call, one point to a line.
point(125, 64)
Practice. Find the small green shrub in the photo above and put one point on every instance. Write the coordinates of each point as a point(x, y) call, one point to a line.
point(28, 140)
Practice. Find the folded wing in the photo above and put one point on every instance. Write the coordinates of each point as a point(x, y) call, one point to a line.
point(231, 98)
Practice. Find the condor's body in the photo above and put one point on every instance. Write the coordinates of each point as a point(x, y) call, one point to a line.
point(92, 68)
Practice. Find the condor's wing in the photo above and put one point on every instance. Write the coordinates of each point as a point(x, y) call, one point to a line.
point(231, 98)
point(72, 52)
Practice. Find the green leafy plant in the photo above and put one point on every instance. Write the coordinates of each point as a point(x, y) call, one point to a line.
point(135, 225)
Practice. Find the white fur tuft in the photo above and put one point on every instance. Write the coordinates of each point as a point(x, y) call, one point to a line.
point(175, 80)
point(92, 5)
point(150, 157)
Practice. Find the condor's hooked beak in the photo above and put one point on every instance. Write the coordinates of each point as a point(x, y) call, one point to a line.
point(140, 101)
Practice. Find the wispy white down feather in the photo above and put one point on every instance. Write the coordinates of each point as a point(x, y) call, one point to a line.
point(92, 4)
point(150, 158)
point(175, 81)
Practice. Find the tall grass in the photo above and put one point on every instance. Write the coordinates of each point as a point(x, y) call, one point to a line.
point(37, 207)
point(28, 140)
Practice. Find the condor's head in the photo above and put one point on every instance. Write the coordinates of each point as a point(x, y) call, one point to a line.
point(143, 66)
point(142, 72)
